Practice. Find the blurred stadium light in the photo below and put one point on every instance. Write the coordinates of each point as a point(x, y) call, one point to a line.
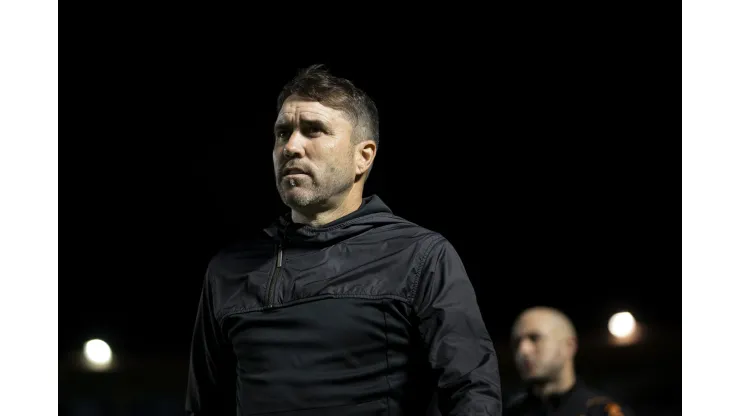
point(98, 355)
point(622, 324)
point(625, 330)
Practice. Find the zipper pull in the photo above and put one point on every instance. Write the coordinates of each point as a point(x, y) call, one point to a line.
point(280, 256)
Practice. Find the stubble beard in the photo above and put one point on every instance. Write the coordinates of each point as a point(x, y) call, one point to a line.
point(307, 192)
point(549, 374)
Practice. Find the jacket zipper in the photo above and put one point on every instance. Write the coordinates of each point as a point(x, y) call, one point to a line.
point(275, 276)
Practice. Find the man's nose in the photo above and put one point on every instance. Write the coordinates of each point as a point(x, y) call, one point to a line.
point(525, 348)
point(294, 146)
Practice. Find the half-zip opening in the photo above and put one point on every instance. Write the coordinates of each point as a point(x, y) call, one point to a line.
point(275, 276)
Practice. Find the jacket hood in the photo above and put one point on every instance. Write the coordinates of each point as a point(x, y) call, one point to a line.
point(372, 213)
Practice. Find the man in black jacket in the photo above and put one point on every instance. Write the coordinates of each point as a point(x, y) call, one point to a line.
point(341, 307)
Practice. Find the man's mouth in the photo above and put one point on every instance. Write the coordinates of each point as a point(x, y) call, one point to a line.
point(293, 171)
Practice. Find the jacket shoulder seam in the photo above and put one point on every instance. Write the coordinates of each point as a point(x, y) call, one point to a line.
point(421, 262)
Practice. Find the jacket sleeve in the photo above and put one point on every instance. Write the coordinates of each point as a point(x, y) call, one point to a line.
point(212, 371)
point(458, 346)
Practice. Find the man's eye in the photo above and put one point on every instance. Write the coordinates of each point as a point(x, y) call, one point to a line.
point(312, 131)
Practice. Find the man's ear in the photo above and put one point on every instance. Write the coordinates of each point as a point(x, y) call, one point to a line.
point(364, 156)
point(572, 343)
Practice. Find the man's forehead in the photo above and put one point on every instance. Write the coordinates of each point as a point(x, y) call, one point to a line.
point(296, 107)
point(532, 322)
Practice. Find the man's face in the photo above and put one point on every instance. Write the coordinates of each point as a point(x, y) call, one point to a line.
point(539, 347)
point(313, 153)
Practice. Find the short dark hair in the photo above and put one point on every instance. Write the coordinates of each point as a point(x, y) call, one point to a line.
point(316, 83)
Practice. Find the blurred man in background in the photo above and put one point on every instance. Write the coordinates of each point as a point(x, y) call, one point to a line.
point(545, 344)
point(340, 307)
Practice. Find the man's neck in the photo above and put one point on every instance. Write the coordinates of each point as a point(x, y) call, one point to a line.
point(348, 205)
point(560, 385)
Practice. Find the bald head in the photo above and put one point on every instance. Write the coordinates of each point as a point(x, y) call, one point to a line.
point(548, 319)
point(544, 342)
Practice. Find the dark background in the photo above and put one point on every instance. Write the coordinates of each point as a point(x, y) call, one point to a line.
point(544, 168)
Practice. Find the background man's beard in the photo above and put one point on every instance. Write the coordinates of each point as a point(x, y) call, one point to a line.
point(538, 380)
point(551, 374)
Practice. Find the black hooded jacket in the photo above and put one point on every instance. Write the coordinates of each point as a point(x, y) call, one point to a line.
point(368, 315)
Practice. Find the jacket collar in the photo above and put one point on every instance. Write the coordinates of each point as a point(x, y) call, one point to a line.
point(372, 213)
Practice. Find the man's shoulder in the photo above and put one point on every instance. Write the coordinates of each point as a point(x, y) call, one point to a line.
point(606, 406)
point(394, 222)
point(418, 229)
point(401, 231)
point(516, 401)
point(600, 404)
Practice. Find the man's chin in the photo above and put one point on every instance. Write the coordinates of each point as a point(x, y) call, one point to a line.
point(533, 380)
point(296, 197)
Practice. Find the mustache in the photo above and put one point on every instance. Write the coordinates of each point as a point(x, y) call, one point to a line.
point(291, 168)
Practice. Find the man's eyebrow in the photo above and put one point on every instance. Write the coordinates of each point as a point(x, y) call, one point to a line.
point(283, 123)
point(314, 122)
point(320, 123)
